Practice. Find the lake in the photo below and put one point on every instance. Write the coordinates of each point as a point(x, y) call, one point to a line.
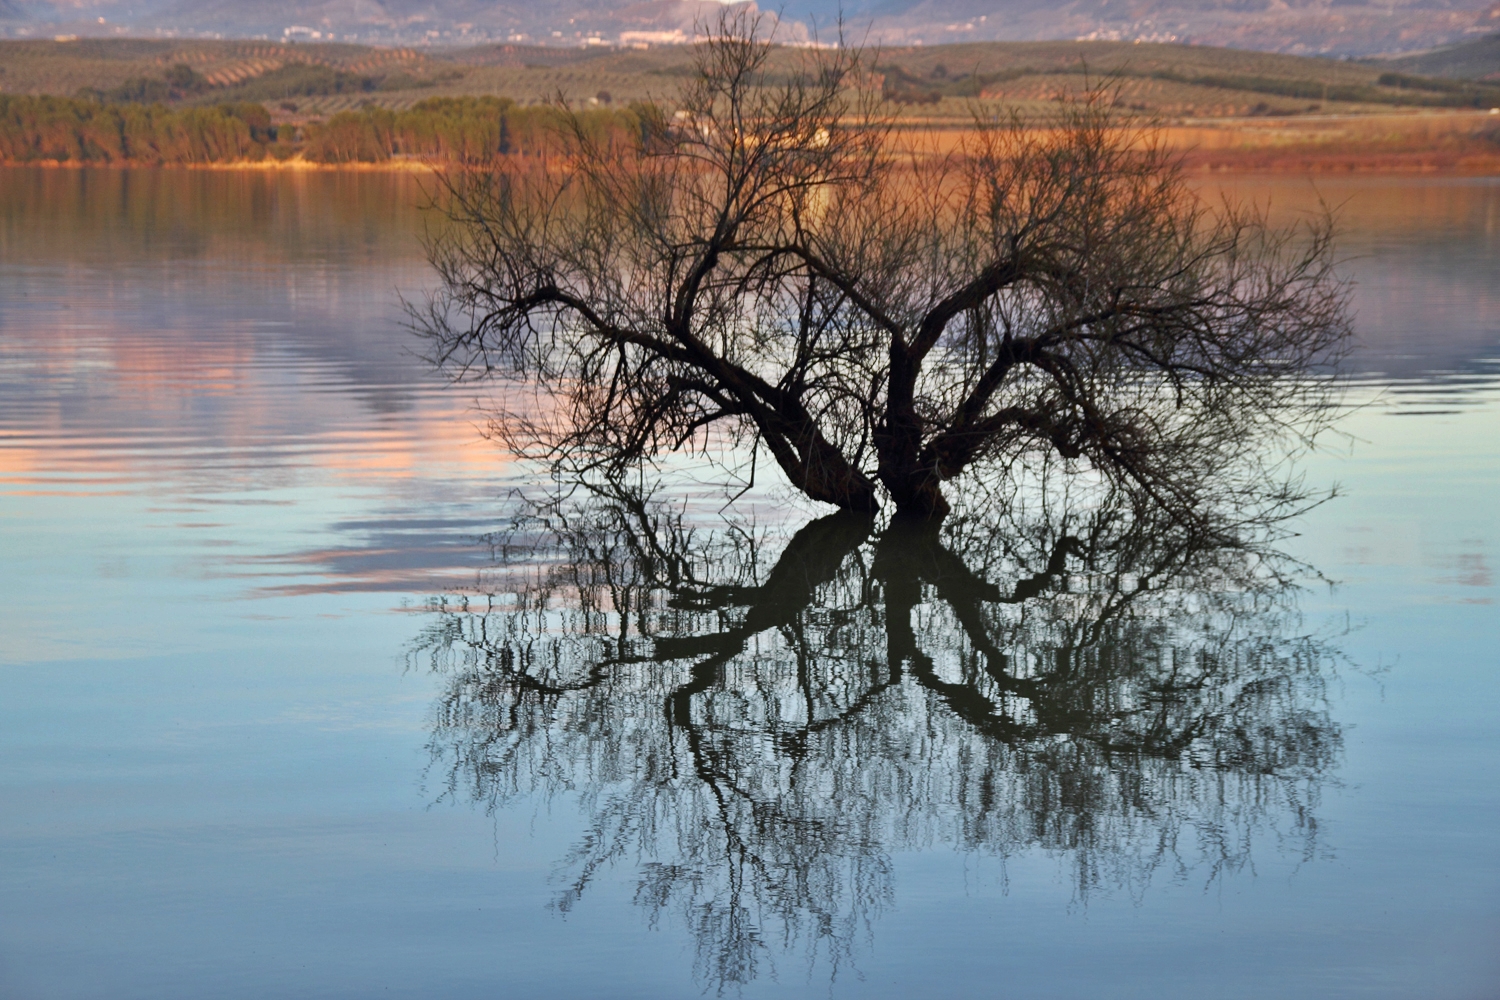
point(258, 737)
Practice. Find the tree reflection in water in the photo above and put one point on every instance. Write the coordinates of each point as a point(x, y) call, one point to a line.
point(760, 736)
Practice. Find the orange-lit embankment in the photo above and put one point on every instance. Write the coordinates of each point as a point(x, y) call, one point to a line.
point(1426, 143)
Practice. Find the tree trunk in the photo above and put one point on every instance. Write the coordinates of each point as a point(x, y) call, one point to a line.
point(916, 489)
point(923, 501)
point(821, 471)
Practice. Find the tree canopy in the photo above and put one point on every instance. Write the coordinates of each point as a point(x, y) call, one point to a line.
point(768, 263)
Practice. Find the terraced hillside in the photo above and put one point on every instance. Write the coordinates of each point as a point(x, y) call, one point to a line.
point(1176, 81)
point(1475, 60)
point(1229, 107)
point(51, 67)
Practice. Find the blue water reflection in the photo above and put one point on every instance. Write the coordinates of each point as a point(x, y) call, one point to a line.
point(226, 495)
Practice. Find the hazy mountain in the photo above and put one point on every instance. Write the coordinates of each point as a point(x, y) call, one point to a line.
point(1336, 27)
point(1474, 60)
point(409, 20)
point(1308, 27)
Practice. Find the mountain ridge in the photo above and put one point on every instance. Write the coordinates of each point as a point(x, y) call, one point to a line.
point(1302, 27)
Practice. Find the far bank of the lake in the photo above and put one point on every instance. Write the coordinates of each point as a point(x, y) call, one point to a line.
point(1461, 143)
point(1457, 143)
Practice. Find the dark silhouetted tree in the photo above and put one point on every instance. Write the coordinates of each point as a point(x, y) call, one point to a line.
point(768, 266)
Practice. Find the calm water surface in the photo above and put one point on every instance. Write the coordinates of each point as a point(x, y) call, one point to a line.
point(228, 768)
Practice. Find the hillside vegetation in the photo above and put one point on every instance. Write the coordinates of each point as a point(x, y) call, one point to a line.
point(1476, 60)
point(157, 102)
point(315, 81)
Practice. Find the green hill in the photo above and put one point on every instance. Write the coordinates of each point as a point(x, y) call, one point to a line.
point(309, 82)
point(1476, 60)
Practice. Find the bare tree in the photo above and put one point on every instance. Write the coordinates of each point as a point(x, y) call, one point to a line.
point(767, 264)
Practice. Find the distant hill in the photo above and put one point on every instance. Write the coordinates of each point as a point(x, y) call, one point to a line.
point(1300, 27)
point(1306, 27)
point(1476, 60)
point(930, 82)
point(198, 101)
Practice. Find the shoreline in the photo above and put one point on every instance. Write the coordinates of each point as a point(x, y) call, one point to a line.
point(1288, 162)
point(1463, 143)
point(267, 165)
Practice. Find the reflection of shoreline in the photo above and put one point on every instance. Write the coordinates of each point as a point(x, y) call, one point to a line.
point(296, 165)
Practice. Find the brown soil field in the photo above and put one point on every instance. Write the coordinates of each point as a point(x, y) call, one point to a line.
point(1411, 142)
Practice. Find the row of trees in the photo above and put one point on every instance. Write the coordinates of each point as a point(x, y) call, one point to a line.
point(461, 130)
point(465, 129)
point(62, 129)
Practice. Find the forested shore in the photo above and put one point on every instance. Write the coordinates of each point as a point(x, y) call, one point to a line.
point(79, 131)
point(66, 130)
